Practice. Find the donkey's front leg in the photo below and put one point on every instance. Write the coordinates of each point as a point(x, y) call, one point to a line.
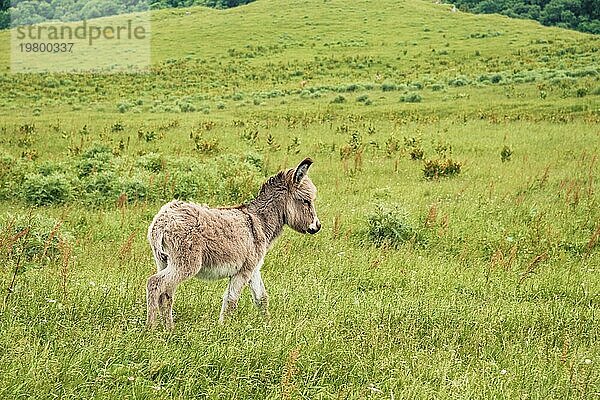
point(232, 295)
point(259, 293)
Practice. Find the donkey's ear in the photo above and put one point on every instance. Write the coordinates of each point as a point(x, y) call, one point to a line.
point(301, 170)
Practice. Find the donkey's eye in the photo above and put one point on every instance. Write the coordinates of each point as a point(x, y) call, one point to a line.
point(306, 202)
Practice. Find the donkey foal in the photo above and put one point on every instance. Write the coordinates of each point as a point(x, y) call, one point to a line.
point(189, 240)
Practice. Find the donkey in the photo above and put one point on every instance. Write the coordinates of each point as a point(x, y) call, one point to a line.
point(189, 239)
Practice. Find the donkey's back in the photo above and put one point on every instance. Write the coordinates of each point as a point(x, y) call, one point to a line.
point(222, 238)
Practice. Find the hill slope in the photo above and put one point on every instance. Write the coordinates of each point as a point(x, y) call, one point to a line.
point(267, 47)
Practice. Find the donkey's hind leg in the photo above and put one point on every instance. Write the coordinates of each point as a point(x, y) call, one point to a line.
point(154, 290)
point(162, 285)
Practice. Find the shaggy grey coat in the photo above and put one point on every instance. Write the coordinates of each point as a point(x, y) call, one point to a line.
point(189, 239)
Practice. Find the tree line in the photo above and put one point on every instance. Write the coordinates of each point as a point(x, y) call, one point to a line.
point(581, 15)
point(26, 12)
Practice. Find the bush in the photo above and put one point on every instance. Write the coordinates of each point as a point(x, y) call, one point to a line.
point(505, 154)
point(135, 188)
point(433, 169)
point(42, 190)
point(411, 98)
point(388, 87)
point(100, 188)
point(185, 107)
point(390, 226)
point(459, 81)
point(436, 87)
point(152, 162)
point(362, 98)
point(40, 237)
point(338, 99)
point(581, 92)
point(123, 107)
point(94, 160)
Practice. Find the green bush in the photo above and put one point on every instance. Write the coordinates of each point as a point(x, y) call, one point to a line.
point(100, 188)
point(388, 87)
point(34, 237)
point(94, 160)
point(390, 226)
point(185, 107)
point(338, 99)
point(152, 162)
point(436, 87)
point(459, 81)
point(411, 98)
point(42, 190)
point(12, 174)
point(433, 169)
point(506, 153)
point(135, 188)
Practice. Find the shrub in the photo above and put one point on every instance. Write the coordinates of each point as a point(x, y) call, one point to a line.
point(389, 226)
point(187, 184)
point(415, 150)
point(436, 87)
point(496, 78)
point(39, 238)
point(411, 98)
point(100, 188)
point(581, 92)
point(505, 154)
point(338, 99)
point(388, 87)
point(152, 162)
point(206, 146)
point(416, 153)
point(135, 188)
point(185, 107)
point(352, 87)
point(459, 81)
point(433, 169)
point(41, 190)
point(362, 98)
point(123, 107)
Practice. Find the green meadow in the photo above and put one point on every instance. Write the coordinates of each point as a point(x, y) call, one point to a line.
point(456, 158)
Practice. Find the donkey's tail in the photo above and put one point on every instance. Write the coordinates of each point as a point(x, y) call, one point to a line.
point(156, 237)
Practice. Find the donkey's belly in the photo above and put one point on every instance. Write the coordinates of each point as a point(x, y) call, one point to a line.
point(213, 272)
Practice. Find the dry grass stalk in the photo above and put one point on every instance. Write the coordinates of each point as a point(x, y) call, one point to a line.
point(125, 250)
point(593, 241)
point(66, 251)
point(431, 215)
point(532, 266)
point(289, 371)
point(337, 221)
point(48, 241)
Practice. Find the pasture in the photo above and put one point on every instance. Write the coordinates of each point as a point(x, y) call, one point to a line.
point(456, 161)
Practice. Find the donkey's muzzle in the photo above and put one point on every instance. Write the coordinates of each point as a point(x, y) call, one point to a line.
point(314, 228)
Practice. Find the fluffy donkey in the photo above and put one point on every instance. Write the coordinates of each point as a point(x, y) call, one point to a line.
point(189, 240)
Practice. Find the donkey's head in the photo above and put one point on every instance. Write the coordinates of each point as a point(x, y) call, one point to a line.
point(300, 213)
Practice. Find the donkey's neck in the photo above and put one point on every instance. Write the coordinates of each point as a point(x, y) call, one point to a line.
point(270, 213)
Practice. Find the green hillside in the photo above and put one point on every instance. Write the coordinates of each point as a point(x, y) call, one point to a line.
point(456, 160)
point(256, 50)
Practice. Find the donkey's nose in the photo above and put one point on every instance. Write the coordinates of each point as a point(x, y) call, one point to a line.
point(314, 227)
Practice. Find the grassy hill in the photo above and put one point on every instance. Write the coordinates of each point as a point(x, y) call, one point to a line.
point(456, 161)
point(255, 51)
